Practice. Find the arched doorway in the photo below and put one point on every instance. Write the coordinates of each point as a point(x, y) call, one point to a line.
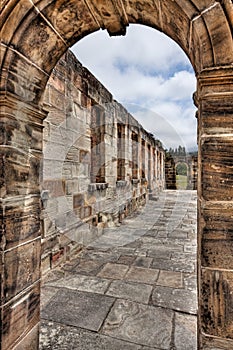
point(34, 36)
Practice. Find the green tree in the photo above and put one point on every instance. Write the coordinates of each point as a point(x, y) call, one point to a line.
point(181, 169)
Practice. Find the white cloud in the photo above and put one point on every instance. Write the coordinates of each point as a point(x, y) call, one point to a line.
point(148, 69)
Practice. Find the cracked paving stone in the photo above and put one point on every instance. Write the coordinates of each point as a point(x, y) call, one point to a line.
point(176, 299)
point(141, 324)
point(83, 283)
point(129, 290)
point(185, 332)
point(61, 337)
point(142, 275)
point(113, 271)
point(79, 309)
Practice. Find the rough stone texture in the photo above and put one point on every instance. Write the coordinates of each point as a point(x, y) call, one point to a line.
point(141, 324)
point(215, 188)
point(133, 291)
point(185, 332)
point(116, 271)
point(35, 34)
point(65, 337)
point(83, 283)
point(211, 343)
point(170, 279)
point(142, 275)
point(176, 299)
point(78, 309)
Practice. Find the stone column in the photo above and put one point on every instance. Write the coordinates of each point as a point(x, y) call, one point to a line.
point(139, 154)
point(20, 233)
point(215, 208)
point(189, 173)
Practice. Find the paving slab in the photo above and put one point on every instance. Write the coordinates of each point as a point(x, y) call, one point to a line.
point(142, 275)
point(185, 335)
point(132, 291)
point(47, 292)
point(87, 267)
point(143, 261)
point(83, 283)
point(80, 309)
point(190, 281)
point(176, 299)
point(99, 256)
point(170, 279)
point(173, 265)
point(126, 259)
point(141, 324)
point(113, 271)
point(56, 336)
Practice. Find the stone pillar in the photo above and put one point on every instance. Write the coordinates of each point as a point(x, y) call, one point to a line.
point(189, 173)
point(215, 208)
point(150, 166)
point(156, 166)
point(20, 233)
point(163, 170)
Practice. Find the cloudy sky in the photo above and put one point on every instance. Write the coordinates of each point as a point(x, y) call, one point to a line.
point(150, 75)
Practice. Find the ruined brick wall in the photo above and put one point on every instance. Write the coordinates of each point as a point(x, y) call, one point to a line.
point(170, 172)
point(99, 163)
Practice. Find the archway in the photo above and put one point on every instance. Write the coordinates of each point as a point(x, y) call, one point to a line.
point(34, 36)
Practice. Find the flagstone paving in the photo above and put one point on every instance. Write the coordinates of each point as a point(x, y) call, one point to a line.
point(132, 288)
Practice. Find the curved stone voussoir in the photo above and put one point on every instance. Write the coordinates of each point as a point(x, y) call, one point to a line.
point(220, 35)
point(72, 19)
point(109, 15)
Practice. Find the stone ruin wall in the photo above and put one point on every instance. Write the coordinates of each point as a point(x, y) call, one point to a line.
point(191, 160)
point(99, 163)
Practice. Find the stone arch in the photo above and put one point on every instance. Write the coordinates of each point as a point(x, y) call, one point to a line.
point(34, 35)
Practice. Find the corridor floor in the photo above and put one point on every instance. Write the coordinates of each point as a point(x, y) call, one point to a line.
point(134, 288)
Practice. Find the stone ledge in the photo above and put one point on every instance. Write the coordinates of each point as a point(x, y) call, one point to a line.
point(121, 183)
point(97, 187)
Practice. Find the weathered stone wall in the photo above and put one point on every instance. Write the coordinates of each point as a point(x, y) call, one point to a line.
point(170, 172)
point(95, 172)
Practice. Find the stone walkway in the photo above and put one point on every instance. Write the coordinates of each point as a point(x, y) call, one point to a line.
point(134, 288)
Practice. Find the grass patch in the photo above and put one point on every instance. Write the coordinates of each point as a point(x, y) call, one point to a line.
point(181, 182)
